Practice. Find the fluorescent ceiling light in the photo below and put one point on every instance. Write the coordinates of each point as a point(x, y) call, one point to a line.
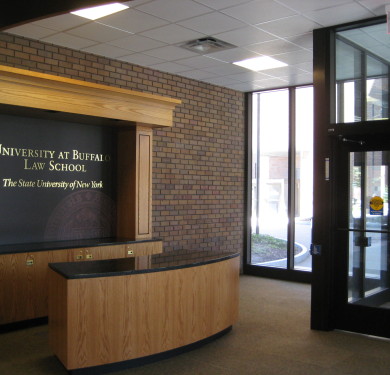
point(260, 63)
point(100, 11)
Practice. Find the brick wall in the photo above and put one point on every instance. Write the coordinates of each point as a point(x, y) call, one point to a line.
point(198, 165)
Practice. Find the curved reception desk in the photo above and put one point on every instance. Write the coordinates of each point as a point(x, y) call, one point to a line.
point(112, 313)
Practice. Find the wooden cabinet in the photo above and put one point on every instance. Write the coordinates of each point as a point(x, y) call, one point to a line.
point(109, 319)
point(24, 276)
point(23, 291)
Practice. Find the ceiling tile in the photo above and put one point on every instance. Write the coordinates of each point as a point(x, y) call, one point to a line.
point(271, 82)
point(375, 6)
point(273, 47)
point(302, 40)
point(284, 71)
point(226, 69)
point(199, 62)
point(308, 5)
point(306, 66)
point(299, 79)
point(258, 11)
point(31, 31)
point(141, 59)
point(245, 86)
point(295, 57)
point(250, 76)
point(197, 74)
point(212, 23)
point(170, 53)
point(220, 4)
point(339, 14)
point(62, 22)
point(106, 50)
point(220, 81)
point(136, 43)
point(70, 41)
point(172, 34)
point(174, 10)
point(133, 21)
point(245, 36)
point(290, 26)
point(232, 55)
point(135, 3)
point(170, 67)
point(98, 32)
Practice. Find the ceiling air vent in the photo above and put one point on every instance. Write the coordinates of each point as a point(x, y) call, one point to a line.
point(206, 45)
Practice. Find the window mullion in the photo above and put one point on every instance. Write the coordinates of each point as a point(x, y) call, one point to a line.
point(291, 181)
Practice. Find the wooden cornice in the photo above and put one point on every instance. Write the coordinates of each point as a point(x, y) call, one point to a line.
point(28, 89)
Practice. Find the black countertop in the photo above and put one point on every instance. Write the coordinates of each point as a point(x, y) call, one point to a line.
point(70, 244)
point(126, 266)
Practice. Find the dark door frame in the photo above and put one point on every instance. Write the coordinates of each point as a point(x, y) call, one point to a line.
point(326, 265)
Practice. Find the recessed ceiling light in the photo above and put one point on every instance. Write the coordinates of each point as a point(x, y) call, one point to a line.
point(260, 63)
point(100, 11)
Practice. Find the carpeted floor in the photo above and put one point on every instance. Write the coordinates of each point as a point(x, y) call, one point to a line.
point(272, 337)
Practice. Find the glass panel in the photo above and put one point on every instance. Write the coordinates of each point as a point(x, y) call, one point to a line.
point(348, 62)
point(348, 76)
point(369, 243)
point(362, 56)
point(303, 177)
point(377, 89)
point(269, 187)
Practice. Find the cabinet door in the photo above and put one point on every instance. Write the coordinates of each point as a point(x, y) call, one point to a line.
point(143, 248)
point(14, 280)
point(104, 252)
point(23, 291)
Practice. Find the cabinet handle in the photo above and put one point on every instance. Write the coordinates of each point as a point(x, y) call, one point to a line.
point(30, 261)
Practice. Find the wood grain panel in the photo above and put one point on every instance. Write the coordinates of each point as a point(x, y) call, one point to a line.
point(144, 182)
point(119, 318)
point(144, 248)
point(37, 90)
point(134, 185)
point(24, 288)
point(126, 183)
point(58, 315)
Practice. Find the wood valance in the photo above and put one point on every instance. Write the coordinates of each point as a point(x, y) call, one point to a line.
point(28, 89)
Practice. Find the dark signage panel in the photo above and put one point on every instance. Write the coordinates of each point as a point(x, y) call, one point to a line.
point(57, 180)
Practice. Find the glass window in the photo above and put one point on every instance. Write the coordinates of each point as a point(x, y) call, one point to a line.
point(362, 74)
point(272, 230)
point(377, 89)
point(270, 150)
point(303, 177)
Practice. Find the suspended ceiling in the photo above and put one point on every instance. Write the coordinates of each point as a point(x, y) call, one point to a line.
point(150, 33)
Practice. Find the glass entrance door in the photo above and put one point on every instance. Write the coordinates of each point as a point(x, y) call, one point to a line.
point(368, 253)
point(365, 304)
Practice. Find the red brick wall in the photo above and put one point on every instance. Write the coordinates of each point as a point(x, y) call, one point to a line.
point(198, 165)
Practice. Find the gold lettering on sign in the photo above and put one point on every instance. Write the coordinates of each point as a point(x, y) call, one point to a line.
point(62, 167)
point(26, 152)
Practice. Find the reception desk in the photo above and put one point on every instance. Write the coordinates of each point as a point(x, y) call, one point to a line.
point(114, 313)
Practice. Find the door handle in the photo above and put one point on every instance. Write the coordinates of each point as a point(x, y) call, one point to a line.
point(315, 249)
point(363, 241)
